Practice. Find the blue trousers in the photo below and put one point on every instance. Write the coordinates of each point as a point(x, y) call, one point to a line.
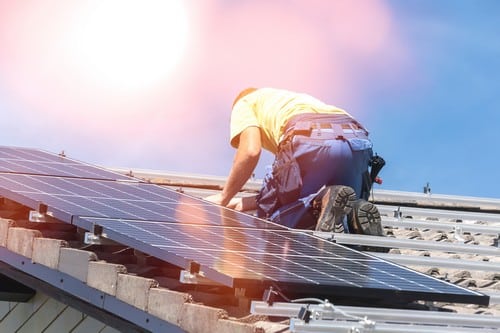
point(318, 151)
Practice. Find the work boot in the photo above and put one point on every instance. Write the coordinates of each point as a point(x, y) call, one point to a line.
point(365, 219)
point(336, 203)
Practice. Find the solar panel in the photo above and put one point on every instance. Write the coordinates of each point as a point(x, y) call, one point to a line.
point(232, 248)
point(246, 258)
point(68, 197)
point(37, 162)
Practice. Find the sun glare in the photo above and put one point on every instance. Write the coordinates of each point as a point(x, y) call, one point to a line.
point(128, 45)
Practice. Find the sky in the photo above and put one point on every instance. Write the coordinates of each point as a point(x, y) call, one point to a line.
point(149, 84)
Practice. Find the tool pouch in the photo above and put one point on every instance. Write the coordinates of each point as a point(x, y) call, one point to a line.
point(284, 185)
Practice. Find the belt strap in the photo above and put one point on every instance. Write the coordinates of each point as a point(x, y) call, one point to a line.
point(326, 126)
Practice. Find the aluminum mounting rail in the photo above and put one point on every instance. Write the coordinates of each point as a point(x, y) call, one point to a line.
point(406, 260)
point(435, 200)
point(494, 296)
point(327, 317)
point(361, 326)
point(415, 244)
point(183, 179)
point(438, 213)
point(444, 226)
point(379, 195)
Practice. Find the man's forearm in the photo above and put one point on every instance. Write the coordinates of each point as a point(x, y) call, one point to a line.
point(245, 160)
point(241, 171)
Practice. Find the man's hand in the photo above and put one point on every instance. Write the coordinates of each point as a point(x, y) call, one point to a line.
point(215, 198)
point(234, 203)
point(239, 204)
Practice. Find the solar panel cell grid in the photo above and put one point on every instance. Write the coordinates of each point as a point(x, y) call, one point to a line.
point(28, 154)
point(127, 200)
point(32, 161)
point(272, 255)
point(211, 237)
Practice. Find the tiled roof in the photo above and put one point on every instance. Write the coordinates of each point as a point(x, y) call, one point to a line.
point(148, 293)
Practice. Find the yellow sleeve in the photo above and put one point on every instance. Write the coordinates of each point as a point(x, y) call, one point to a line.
point(242, 116)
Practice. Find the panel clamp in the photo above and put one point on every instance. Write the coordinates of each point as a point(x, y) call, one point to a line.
point(457, 233)
point(496, 241)
point(41, 214)
point(269, 296)
point(97, 237)
point(199, 278)
point(194, 275)
point(398, 214)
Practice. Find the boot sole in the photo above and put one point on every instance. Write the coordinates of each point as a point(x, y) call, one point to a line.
point(367, 218)
point(339, 202)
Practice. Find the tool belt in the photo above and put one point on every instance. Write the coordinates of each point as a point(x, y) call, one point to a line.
point(323, 126)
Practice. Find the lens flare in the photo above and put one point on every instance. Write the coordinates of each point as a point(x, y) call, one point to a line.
point(127, 45)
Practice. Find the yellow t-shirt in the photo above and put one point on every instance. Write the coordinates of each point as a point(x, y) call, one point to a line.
point(269, 109)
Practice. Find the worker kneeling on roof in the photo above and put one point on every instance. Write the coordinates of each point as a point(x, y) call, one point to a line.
point(324, 165)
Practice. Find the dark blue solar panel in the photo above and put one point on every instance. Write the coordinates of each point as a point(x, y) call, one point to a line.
point(37, 162)
point(242, 257)
point(68, 197)
point(232, 248)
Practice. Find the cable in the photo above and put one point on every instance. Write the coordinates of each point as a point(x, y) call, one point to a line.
point(309, 299)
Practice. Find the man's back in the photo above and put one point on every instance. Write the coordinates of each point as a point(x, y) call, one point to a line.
point(270, 109)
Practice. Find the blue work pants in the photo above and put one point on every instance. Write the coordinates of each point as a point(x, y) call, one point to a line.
point(309, 159)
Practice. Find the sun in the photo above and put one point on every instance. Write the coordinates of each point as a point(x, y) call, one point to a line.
point(127, 45)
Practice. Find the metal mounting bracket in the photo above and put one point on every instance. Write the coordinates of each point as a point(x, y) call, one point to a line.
point(457, 233)
point(187, 277)
point(41, 214)
point(97, 237)
point(93, 239)
point(398, 214)
point(496, 241)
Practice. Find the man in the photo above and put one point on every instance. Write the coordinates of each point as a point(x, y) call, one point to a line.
point(320, 177)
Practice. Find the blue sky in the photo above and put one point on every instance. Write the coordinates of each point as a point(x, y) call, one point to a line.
point(421, 75)
point(445, 131)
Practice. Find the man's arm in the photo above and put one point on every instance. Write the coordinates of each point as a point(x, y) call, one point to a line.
point(245, 160)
